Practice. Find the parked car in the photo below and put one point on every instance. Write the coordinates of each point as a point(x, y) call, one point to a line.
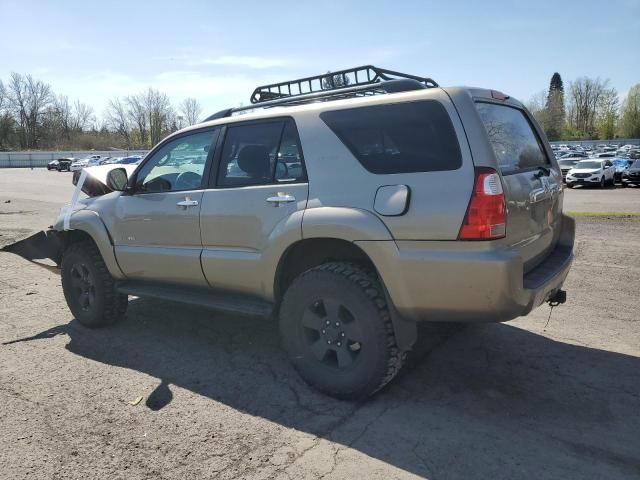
point(64, 164)
point(79, 165)
point(567, 164)
point(133, 160)
point(631, 175)
point(620, 165)
point(591, 172)
point(399, 214)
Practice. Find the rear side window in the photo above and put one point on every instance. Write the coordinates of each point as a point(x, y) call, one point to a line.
point(514, 142)
point(398, 138)
point(260, 154)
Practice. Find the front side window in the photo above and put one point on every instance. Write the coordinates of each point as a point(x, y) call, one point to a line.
point(260, 154)
point(178, 165)
point(398, 138)
point(514, 142)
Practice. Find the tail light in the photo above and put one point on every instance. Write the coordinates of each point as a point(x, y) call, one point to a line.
point(486, 217)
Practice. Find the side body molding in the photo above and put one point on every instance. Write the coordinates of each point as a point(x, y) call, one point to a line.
point(90, 222)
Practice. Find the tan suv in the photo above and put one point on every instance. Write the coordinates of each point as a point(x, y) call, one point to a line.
point(351, 209)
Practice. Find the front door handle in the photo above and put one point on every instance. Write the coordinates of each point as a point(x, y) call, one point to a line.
point(187, 202)
point(281, 198)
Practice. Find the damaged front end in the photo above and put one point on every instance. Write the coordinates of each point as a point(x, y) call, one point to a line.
point(41, 246)
point(49, 244)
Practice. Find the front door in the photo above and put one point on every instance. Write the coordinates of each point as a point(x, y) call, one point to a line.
point(157, 226)
point(257, 195)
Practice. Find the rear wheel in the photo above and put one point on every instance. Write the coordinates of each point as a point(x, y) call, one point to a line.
point(88, 287)
point(337, 331)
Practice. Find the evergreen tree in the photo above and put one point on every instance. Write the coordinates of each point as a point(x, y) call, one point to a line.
point(555, 112)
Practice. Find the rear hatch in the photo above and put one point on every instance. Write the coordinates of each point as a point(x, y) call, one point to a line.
point(531, 181)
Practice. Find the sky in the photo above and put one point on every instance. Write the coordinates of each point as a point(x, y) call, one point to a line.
point(218, 52)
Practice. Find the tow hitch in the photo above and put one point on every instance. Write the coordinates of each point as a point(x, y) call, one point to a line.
point(558, 298)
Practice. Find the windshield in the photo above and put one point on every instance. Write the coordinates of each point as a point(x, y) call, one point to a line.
point(636, 164)
point(588, 164)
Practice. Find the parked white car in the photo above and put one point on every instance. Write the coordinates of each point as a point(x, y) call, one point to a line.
point(79, 164)
point(592, 172)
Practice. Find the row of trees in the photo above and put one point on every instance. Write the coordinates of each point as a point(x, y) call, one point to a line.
point(32, 116)
point(589, 109)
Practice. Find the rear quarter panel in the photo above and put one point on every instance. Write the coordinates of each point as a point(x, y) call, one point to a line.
point(438, 200)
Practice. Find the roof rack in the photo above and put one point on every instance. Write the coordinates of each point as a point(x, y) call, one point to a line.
point(353, 82)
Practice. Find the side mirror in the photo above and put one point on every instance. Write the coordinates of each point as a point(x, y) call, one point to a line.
point(117, 179)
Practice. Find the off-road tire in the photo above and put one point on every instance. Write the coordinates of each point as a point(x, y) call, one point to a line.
point(358, 290)
point(107, 305)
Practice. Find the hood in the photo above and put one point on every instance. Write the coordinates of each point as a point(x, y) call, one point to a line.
point(95, 183)
point(585, 170)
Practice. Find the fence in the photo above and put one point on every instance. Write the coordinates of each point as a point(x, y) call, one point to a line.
point(40, 159)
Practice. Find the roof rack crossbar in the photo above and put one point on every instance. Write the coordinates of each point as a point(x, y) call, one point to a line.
point(325, 87)
point(332, 81)
point(390, 86)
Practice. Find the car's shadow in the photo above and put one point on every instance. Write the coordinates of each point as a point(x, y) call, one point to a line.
point(493, 401)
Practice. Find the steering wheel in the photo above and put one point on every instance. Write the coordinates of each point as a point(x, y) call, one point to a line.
point(188, 181)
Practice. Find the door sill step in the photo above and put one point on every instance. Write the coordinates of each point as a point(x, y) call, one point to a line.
point(233, 303)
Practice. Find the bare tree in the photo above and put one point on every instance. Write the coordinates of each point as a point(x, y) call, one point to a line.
point(537, 106)
point(29, 99)
point(3, 95)
point(137, 112)
point(585, 95)
point(191, 110)
point(160, 113)
point(82, 116)
point(117, 118)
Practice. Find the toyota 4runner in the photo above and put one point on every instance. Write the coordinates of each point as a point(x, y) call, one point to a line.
point(349, 205)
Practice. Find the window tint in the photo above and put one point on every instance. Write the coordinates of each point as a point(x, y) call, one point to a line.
point(289, 167)
point(260, 153)
point(178, 165)
point(514, 142)
point(398, 138)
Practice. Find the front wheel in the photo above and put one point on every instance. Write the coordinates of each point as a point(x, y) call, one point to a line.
point(88, 287)
point(603, 183)
point(337, 331)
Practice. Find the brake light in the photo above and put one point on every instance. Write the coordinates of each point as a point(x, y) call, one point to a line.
point(486, 217)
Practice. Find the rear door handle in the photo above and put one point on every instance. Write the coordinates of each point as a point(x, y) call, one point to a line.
point(187, 202)
point(281, 198)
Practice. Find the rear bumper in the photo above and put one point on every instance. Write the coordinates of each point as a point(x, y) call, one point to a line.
point(435, 281)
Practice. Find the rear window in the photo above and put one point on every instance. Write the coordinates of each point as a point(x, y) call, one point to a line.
point(514, 142)
point(398, 138)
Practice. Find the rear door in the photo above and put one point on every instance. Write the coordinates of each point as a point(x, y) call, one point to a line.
point(258, 189)
point(531, 182)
